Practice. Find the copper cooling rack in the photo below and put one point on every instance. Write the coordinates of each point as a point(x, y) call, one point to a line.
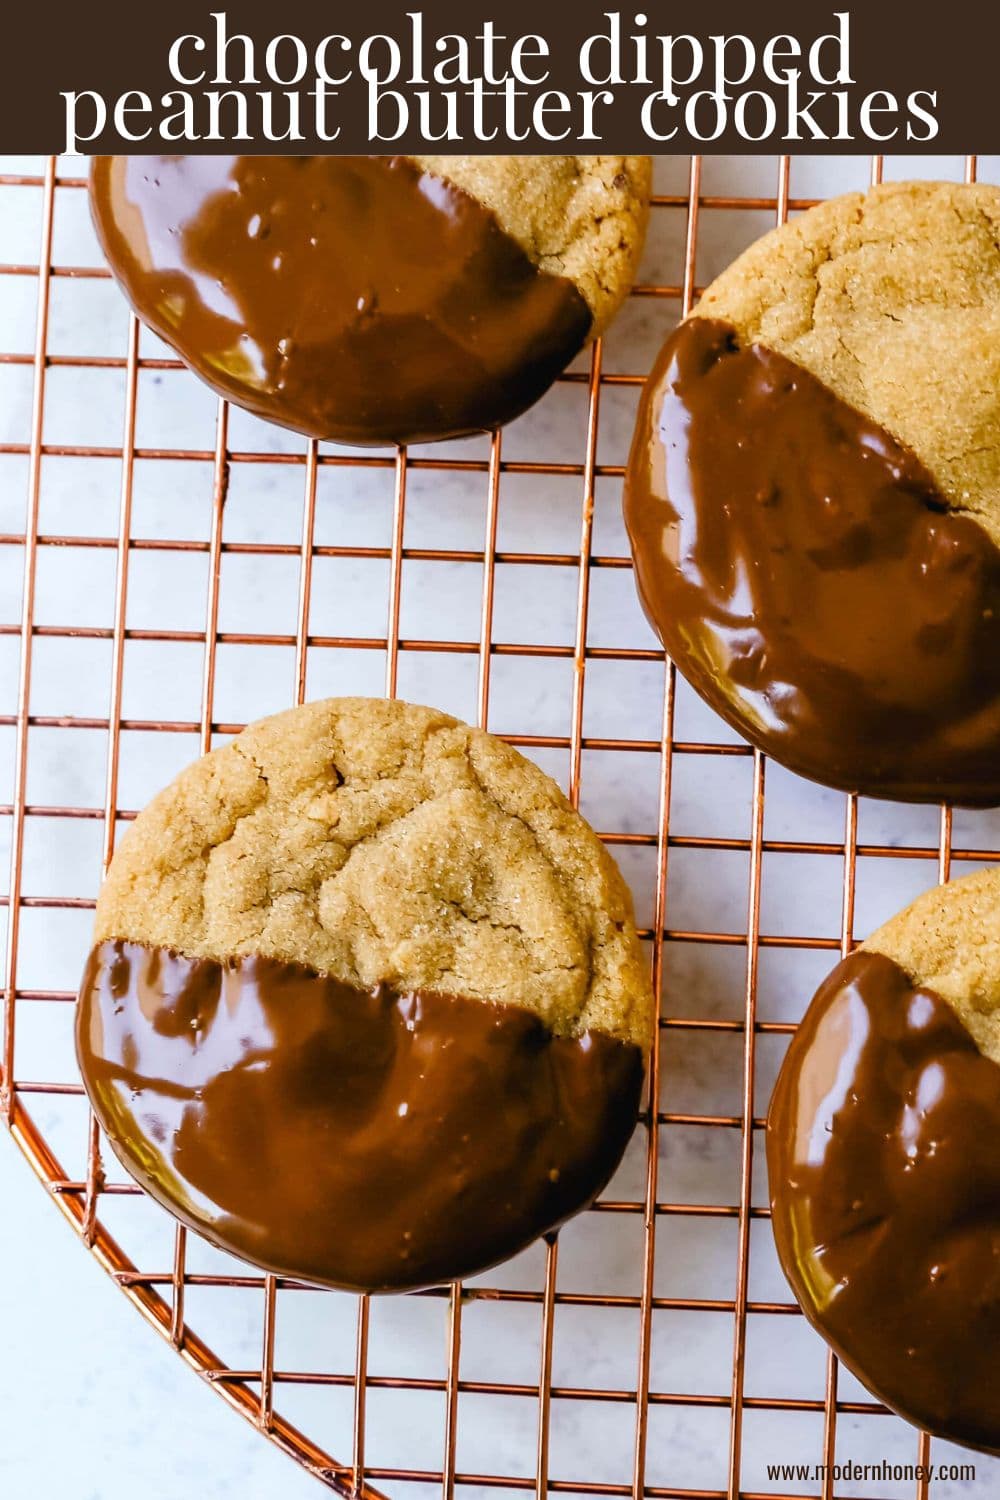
point(731, 991)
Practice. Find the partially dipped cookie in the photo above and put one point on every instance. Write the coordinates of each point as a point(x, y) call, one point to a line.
point(366, 1003)
point(813, 493)
point(371, 299)
point(884, 1165)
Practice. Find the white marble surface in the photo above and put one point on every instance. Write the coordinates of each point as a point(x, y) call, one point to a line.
point(92, 1405)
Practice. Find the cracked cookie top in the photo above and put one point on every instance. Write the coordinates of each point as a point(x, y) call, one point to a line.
point(892, 299)
point(379, 842)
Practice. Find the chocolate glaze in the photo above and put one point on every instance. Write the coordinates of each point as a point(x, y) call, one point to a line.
point(808, 578)
point(882, 1152)
point(372, 1140)
point(348, 297)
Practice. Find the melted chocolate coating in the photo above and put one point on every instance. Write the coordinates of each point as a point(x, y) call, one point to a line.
point(885, 1195)
point(808, 578)
point(371, 1140)
point(348, 297)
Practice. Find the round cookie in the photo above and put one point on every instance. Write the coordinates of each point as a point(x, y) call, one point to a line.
point(366, 1003)
point(371, 299)
point(883, 1162)
point(813, 493)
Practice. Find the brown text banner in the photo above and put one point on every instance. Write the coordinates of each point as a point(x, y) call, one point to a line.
point(479, 78)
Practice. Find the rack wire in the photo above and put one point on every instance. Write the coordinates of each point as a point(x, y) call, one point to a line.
point(638, 1230)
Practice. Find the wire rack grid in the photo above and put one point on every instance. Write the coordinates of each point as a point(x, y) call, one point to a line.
point(698, 1368)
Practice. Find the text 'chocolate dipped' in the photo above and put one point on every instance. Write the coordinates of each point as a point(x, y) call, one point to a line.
point(885, 1195)
point(809, 579)
point(354, 298)
point(366, 1139)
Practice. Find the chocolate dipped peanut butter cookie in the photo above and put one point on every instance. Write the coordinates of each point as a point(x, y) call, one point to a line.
point(366, 1003)
point(374, 299)
point(813, 493)
point(884, 1165)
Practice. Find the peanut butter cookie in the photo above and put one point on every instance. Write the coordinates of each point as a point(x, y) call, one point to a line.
point(883, 1162)
point(813, 495)
point(366, 1002)
point(373, 299)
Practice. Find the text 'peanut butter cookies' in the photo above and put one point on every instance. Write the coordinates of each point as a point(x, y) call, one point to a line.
point(884, 1165)
point(813, 493)
point(366, 1004)
point(373, 299)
